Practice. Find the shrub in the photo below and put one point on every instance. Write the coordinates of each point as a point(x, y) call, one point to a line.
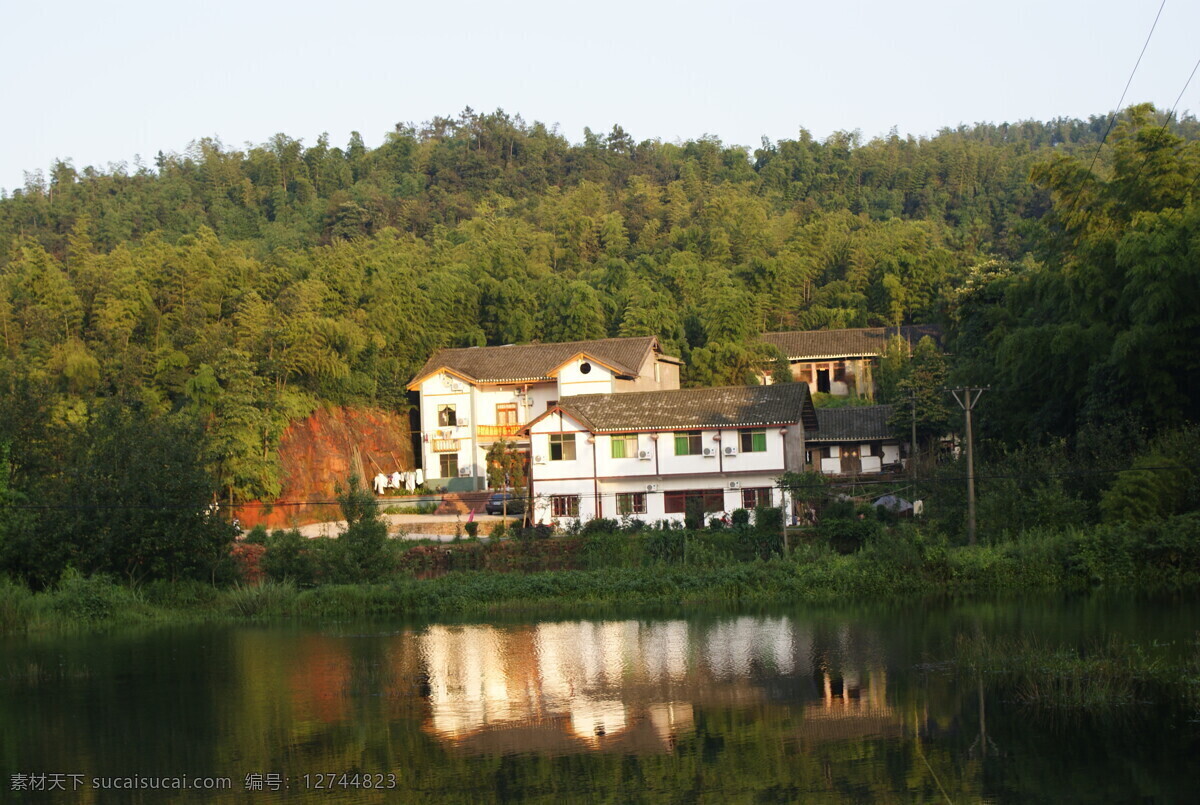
point(472, 529)
point(847, 536)
point(740, 518)
point(90, 598)
point(289, 557)
point(270, 598)
point(256, 535)
point(693, 517)
point(600, 525)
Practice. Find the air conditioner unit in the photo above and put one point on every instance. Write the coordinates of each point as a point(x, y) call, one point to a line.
point(709, 452)
point(464, 423)
point(645, 455)
point(735, 484)
point(730, 450)
point(539, 459)
point(456, 386)
point(464, 472)
point(651, 487)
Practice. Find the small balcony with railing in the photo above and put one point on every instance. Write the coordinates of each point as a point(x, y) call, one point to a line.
point(492, 433)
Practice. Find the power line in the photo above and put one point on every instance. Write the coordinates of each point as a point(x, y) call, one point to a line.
point(1112, 120)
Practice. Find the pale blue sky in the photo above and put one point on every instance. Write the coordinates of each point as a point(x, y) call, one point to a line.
point(101, 82)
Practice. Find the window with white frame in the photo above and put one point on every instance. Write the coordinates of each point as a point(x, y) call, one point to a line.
point(564, 505)
point(754, 441)
point(562, 447)
point(631, 503)
point(624, 445)
point(687, 443)
point(447, 417)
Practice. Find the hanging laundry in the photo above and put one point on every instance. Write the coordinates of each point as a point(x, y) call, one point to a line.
point(380, 483)
point(419, 477)
point(396, 482)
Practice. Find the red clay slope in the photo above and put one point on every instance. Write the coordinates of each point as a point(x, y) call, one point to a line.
point(322, 451)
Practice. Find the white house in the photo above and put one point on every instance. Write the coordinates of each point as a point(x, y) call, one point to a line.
point(471, 397)
point(839, 362)
point(645, 454)
point(854, 441)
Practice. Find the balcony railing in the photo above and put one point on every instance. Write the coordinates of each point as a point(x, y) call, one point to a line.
point(498, 431)
point(445, 445)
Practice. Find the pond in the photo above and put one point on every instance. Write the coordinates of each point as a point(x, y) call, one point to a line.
point(850, 704)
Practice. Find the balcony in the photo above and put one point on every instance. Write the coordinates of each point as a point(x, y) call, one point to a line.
point(494, 432)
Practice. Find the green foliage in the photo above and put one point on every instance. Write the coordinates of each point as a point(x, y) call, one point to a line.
point(506, 467)
point(363, 545)
point(289, 557)
point(693, 516)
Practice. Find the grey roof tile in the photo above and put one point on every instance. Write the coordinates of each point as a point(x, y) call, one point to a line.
point(689, 409)
point(529, 362)
point(858, 342)
point(852, 424)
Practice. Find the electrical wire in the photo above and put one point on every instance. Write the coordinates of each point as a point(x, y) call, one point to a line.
point(1113, 117)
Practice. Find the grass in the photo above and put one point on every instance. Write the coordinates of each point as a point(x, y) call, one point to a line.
point(1100, 677)
point(654, 568)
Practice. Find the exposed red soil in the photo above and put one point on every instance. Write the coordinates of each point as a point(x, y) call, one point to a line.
point(324, 450)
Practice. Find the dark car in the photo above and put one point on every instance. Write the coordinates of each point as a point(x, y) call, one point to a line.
point(495, 504)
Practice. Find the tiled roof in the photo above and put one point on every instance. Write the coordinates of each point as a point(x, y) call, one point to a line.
point(862, 341)
point(688, 409)
point(517, 363)
point(852, 424)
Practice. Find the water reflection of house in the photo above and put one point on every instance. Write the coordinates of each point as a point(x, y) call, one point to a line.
point(627, 686)
point(851, 706)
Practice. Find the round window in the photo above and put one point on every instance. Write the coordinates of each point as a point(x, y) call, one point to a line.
point(584, 368)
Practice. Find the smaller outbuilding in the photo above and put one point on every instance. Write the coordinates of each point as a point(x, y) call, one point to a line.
point(855, 440)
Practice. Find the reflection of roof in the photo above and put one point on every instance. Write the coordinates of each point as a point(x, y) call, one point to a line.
point(517, 363)
point(852, 424)
point(686, 409)
point(858, 342)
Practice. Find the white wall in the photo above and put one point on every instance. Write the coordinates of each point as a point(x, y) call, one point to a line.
point(573, 381)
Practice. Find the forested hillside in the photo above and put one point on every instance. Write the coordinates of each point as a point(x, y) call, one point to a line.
point(240, 288)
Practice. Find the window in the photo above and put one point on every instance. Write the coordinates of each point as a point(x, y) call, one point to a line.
point(687, 443)
point(676, 502)
point(754, 441)
point(506, 414)
point(562, 447)
point(550, 404)
point(756, 497)
point(631, 503)
point(447, 418)
point(624, 445)
point(448, 463)
point(564, 505)
point(585, 368)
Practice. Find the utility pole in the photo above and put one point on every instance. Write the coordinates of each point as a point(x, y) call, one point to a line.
point(912, 451)
point(966, 397)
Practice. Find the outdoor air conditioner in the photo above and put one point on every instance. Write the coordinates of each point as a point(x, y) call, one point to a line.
point(645, 455)
point(464, 472)
point(456, 386)
point(730, 450)
point(735, 484)
point(651, 487)
point(464, 423)
point(539, 459)
point(709, 452)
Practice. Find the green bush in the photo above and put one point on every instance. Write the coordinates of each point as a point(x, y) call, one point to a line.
point(268, 598)
point(740, 518)
point(600, 525)
point(848, 536)
point(693, 516)
point(91, 598)
point(472, 529)
point(289, 556)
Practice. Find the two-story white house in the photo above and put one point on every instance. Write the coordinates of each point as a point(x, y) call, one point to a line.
point(471, 397)
point(645, 454)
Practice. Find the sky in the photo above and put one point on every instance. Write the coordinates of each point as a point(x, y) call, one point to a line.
point(100, 83)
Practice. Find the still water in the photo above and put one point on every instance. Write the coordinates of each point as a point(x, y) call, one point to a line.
point(790, 705)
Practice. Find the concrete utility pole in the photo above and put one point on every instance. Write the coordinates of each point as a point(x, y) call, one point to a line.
point(966, 398)
point(912, 449)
